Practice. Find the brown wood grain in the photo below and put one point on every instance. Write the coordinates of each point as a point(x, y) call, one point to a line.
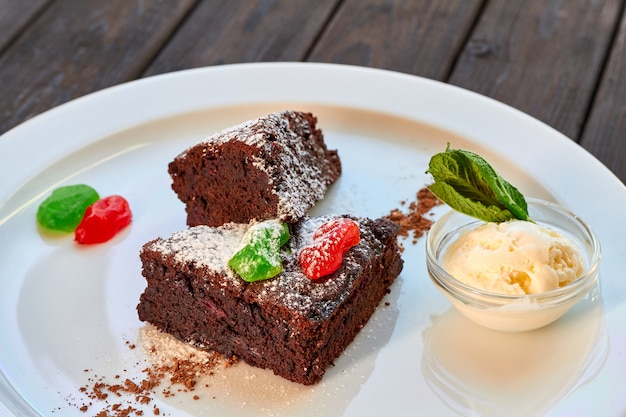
point(542, 57)
point(75, 47)
point(15, 15)
point(235, 31)
point(415, 37)
point(557, 60)
point(604, 134)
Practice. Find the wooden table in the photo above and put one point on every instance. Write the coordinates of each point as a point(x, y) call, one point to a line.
point(563, 62)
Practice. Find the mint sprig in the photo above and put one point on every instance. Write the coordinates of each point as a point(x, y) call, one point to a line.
point(467, 183)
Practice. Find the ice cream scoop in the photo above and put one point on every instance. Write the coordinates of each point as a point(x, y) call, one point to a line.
point(514, 257)
point(536, 260)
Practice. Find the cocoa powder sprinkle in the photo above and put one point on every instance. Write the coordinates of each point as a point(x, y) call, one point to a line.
point(413, 222)
point(177, 374)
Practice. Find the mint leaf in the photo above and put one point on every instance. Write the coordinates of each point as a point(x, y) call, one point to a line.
point(468, 206)
point(467, 183)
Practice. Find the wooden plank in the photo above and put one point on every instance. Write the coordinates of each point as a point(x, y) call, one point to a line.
point(225, 32)
point(76, 47)
point(14, 15)
point(604, 134)
point(542, 57)
point(416, 37)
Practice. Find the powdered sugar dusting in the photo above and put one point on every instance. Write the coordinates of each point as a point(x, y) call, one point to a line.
point(292, 289)
point(163, 349)
point(204, 246)
point(295, 163)
point(318, 298)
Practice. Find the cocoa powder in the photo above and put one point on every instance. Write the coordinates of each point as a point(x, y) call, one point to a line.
point(413, 222)
point(165, 374)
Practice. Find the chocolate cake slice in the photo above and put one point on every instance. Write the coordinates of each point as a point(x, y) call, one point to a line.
point(276, 166)
point(290, 324)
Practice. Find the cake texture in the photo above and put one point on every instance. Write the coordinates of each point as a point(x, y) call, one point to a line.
point(290, 324)
point(276, 166)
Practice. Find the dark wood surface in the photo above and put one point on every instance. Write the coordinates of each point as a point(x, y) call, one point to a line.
point(563, 62)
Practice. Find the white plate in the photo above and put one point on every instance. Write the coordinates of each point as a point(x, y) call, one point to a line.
point(64, 309)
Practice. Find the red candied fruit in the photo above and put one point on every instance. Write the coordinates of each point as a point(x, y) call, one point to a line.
point(103, 220)
point(331, 241)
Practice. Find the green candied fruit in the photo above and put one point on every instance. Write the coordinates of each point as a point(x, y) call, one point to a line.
point(259, 258)
point(64, 208)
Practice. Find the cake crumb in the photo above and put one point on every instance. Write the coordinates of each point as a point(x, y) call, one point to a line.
point(173, 366)
point(413, 223)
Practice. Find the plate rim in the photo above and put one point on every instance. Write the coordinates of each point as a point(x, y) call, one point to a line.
point(176, 95)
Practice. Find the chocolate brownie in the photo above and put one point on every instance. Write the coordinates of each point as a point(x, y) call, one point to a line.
point(289, 324)
point(276, 166)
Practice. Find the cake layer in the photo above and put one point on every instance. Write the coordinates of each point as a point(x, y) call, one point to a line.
point(276, 166)
point(289, 324)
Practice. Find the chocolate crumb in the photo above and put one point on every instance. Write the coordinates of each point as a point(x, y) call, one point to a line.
point(166, 372)
point(413, 223)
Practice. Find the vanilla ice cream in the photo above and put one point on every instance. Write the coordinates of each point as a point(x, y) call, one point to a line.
point(513, 257)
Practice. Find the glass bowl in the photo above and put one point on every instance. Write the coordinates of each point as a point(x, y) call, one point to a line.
point(505, 312)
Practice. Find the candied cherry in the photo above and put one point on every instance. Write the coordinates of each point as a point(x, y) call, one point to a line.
point(331, 241)
point(259, 258)
point(63, 209)
point(103, 220)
